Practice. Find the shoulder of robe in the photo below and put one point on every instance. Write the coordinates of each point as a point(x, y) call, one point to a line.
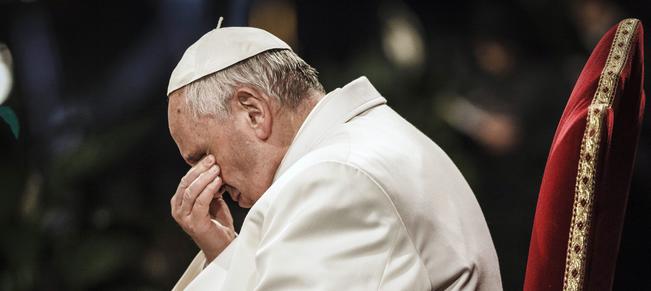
point(326, 186)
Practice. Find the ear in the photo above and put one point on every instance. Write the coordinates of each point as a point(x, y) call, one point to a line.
point(256, 109)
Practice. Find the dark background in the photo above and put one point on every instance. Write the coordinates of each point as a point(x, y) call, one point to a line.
point(86, 186)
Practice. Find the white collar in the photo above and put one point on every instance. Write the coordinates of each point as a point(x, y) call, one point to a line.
point(337, 107)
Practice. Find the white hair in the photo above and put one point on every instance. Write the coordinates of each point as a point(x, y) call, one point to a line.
point(280, 74)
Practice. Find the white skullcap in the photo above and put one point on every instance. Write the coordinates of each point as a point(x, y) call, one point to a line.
point(219, 49)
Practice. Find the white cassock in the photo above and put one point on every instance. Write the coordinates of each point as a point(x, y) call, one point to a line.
point(361, 201)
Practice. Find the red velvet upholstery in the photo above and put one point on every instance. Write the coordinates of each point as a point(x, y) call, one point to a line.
point(558, 201)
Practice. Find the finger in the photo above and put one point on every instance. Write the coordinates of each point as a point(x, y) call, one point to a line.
point(201, 207)
point(220, 211)
point(189, 177)
point(192, 175)
point(191, 192)
point(173, 205)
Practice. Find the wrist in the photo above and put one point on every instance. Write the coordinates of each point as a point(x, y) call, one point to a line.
point(212, 249)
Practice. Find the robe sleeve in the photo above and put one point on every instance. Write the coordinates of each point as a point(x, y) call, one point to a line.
point(195, 267)
point(331, 228)
point(218, 267)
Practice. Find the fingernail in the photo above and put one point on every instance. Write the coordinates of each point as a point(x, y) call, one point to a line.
point(209, 159)
point(213, 169)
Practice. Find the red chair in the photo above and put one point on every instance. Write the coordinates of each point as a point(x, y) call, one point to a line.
point(582, 201)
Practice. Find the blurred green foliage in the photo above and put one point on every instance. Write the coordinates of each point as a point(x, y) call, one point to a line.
point(11, 119)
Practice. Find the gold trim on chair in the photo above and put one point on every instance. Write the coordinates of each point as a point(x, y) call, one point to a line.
point(575, 261)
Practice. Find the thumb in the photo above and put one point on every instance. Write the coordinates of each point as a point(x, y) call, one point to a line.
point(219, 210)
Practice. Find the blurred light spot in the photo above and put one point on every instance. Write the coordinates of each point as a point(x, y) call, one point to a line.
point(156, 264)
point(494, 57)
point(498, 132)
point(6, 80)
point(402, 41)
point(277, 17)
point(593, 18)
point(31, 195)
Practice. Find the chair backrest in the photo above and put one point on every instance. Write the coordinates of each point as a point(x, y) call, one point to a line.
point(584, 191)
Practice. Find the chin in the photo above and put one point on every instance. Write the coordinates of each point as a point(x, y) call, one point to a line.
point(238, 198)
point(245, 200)
point(244, 204)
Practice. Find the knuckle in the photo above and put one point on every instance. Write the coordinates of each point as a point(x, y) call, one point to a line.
point(190, 228)
point(198, 169)
point(211, 187)
point(187, 194)
point(201, 203)
point(184, 182)
point(186, 220)
point(202, 176)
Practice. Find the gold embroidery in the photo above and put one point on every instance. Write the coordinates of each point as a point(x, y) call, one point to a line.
point(579, 235)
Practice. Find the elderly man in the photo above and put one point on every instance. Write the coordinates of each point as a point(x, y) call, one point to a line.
point(344, 193)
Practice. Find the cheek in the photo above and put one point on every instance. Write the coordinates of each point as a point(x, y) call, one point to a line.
point(252, 197)
point(243, 175)
point(225, 153)
point(192, 134)
point(239, 150)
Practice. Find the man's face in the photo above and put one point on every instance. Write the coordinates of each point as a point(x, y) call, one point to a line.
point(229, 140)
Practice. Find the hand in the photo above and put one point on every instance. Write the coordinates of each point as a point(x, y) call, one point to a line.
point(198, 207)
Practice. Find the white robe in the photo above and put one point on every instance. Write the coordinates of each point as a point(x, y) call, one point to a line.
point(361, 201)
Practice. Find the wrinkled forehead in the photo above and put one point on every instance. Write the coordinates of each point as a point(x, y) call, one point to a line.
point(186, 131)
point(181, 118)
point(177, 112)
point(177, 107)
